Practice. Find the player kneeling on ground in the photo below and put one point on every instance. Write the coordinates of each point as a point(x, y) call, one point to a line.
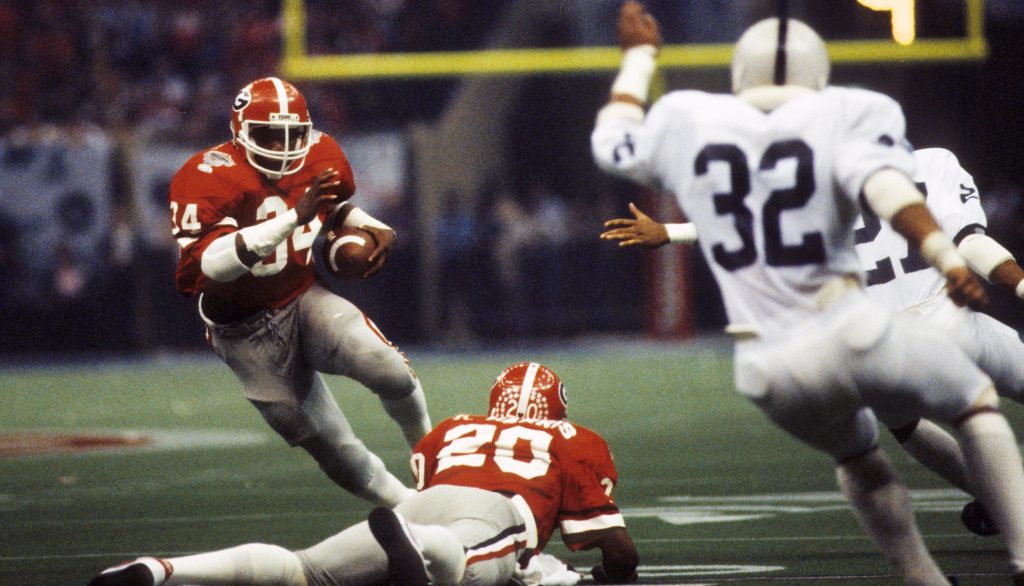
point(491, 490)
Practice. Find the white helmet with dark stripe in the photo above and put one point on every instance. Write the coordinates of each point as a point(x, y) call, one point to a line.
point(528, 390)
point(791, 57)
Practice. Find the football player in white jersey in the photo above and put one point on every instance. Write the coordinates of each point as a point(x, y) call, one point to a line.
point(771, 178)
point(900, 279)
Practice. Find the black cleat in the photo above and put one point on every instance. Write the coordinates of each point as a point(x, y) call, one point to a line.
point(976, 519)
point(136, 573)
point(406, 566)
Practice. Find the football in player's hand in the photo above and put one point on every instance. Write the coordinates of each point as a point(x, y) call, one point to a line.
point(347, 251)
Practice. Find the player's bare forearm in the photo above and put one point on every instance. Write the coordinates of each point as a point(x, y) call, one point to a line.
point(914, 222)
point(1010, 276)
point(619, 558)
point(918, 226)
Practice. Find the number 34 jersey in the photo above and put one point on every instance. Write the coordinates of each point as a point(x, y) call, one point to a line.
point(896, 277)
point(217, 192)
point(773, 194)
point(562, 470)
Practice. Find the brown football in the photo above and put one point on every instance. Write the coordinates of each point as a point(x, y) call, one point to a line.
point(347, 251)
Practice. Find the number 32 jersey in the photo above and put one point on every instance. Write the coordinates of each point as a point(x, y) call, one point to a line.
point(773, 195)
point(896, 277)
point(217, 192)
point(563, 471)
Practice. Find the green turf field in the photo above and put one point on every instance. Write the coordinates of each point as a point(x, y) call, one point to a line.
point(711, 492)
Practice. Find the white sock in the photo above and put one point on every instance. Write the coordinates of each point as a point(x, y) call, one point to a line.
point(939, 451)
point(384, 489)
point(446, 558)
point(993, 459)
point(253, 564)
point(882, 506)
point(410, 414)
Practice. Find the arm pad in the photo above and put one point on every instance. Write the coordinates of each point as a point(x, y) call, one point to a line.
point(220, 260)
point(888, 191)
point(983, 254)
point(634, 78)
point(357, 217)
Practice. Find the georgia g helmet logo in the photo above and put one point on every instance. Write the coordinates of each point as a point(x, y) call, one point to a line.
point(528, 390)
point(241, 100)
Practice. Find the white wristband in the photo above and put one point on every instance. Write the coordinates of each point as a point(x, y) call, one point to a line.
point(682, 233)
point(940, 252)
point(635, 74)
point(357, 217)
point(983, 254)
point(1020, 289)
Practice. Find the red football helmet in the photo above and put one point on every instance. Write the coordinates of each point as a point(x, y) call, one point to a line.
point(528, 390)
point(271, 122)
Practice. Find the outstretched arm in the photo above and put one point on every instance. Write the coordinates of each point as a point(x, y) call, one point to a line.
point(614, 142)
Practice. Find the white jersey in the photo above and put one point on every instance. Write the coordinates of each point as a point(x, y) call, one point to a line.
point(896, 277)
point(773, 195)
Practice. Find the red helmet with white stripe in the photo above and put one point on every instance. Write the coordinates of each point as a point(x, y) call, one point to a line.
point(528, 390)
point(271, 122)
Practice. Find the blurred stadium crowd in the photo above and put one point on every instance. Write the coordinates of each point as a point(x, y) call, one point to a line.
point(97, 93)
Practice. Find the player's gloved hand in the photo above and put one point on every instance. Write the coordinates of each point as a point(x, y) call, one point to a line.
point(641, 231)
point(385, 239)
point(317, 194)
point(964, 288)
point(637, 27)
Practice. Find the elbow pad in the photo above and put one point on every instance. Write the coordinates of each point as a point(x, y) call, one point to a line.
point(220, 261)
point(983, 254)
point(888, 191)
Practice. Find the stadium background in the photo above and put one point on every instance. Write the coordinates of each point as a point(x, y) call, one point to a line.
point(105, 459)
point(486, 177)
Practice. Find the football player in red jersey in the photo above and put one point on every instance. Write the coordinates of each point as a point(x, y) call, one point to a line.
point(245, 214)
point(492, 489)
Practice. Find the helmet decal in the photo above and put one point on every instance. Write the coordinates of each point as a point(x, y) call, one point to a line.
point(242, 100)
point(528, 390)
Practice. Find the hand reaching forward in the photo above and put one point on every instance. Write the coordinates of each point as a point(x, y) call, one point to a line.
point(640, 231)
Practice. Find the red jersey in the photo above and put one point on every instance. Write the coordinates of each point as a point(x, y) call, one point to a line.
point(563, 471)
point(217, 192)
